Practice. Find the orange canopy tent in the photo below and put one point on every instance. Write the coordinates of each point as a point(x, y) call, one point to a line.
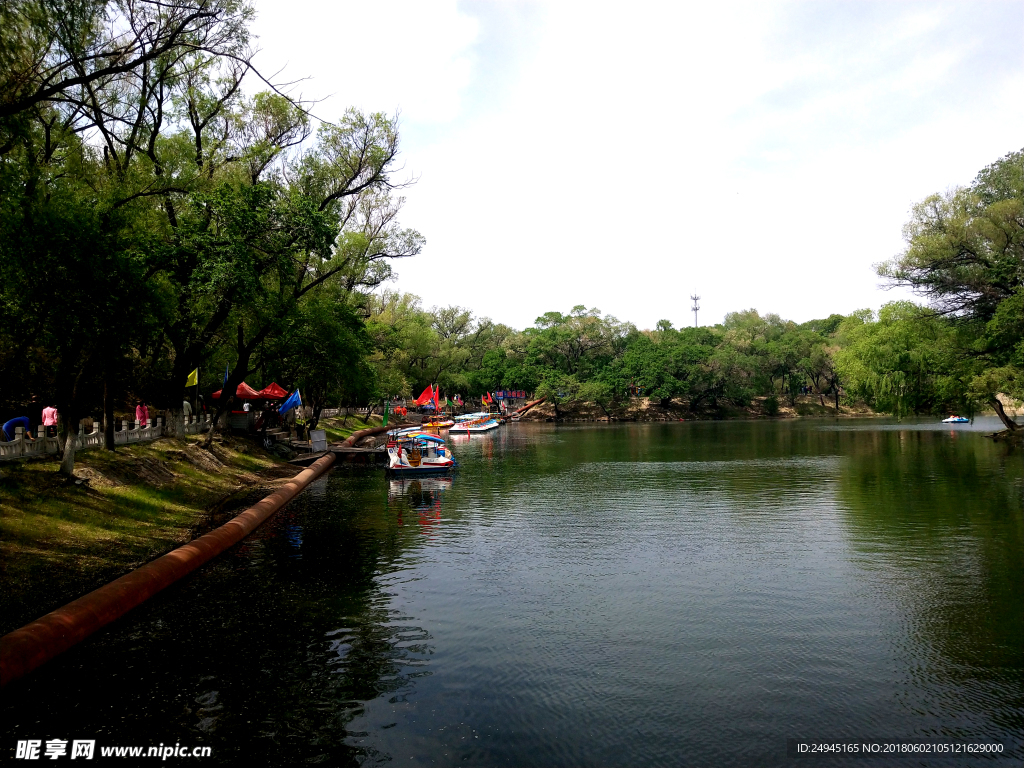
point(244, 392)
point(273, 392)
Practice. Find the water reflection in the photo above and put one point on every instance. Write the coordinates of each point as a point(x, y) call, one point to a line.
point(936, 528)
point(645, 594)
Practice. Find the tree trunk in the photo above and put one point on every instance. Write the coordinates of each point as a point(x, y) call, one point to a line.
point(108, 414)
point(837, 401)
point(998, 407)
point(176, 422)
point(67, 464)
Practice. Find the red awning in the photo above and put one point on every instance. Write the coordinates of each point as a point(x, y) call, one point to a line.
point(273, 392)
point(244, 392)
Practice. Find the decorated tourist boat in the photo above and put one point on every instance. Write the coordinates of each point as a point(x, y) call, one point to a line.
point(418, 453)
point(485, 424)
point(438, 423)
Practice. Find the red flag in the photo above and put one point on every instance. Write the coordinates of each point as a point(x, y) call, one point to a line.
point(437, 405)
point(425, 396)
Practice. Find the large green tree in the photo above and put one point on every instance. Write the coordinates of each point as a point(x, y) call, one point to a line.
point(965, 255)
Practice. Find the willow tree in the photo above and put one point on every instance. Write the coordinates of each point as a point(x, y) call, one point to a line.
point(965, 255)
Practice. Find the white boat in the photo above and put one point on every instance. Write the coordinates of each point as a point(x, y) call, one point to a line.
point(418, 453)
point(956, 420)
point(473, 416)
point(476, 425)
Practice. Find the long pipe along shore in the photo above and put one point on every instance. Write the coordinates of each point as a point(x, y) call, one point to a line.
point(31, 646)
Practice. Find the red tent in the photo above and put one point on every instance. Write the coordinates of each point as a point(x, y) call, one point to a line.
point(273, 392)
point(244, 392)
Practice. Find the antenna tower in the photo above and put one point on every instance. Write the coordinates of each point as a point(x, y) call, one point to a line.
point(696, 306)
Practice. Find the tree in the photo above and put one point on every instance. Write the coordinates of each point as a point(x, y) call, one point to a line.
point(905, 362)
point(965, 255)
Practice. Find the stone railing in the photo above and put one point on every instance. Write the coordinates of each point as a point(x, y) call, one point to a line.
point(22, 447)
point(194, 424)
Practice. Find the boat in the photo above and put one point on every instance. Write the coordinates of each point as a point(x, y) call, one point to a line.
point(418, 453)
point(473, 416)
point(475, 425)
point(437, 424)
point(954, 419)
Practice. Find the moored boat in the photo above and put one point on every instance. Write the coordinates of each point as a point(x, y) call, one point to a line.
point(437, 424)
point(417, 453)
point(954, 419)
point(476, 425)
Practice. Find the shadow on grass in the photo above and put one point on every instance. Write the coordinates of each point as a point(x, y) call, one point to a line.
point(59, 540)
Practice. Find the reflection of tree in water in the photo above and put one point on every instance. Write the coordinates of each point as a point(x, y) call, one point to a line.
point(938, 525)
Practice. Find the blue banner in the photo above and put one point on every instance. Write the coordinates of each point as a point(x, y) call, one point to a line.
point(294, 400)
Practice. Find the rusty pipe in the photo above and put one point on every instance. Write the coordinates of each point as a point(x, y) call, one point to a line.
point(27, 648)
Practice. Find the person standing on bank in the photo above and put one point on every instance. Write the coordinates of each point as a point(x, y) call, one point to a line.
point(50, 419)
point(141, 415)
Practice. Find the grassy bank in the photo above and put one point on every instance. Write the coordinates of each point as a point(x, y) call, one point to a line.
point(339, 428)
point(59, 539)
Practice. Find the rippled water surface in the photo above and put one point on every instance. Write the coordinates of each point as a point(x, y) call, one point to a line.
point(672, 594)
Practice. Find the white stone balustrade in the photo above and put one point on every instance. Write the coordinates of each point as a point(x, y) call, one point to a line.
point(22, 446)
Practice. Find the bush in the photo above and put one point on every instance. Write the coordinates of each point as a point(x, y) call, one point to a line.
point(771, 406)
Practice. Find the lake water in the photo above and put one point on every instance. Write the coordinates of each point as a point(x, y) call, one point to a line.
point(593, 595)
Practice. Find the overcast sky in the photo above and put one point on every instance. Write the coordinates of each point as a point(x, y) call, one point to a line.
point(624, 156)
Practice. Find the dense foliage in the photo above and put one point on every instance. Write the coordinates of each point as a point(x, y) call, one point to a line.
point(154, 220)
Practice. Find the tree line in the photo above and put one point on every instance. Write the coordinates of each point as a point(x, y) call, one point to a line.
point(156, 218)
point(955, 353)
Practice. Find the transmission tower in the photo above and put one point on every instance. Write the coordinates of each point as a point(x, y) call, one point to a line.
point(696, 306)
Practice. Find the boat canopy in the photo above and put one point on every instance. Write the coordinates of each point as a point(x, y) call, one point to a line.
point(421, 436)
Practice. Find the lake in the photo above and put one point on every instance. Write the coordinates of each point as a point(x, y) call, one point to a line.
point(591, 595)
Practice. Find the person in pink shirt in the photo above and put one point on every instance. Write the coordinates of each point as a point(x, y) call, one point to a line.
point(50, 418)
point(141, 414)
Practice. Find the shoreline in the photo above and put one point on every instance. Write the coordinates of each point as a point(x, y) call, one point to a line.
point(60, 540)
point(642, 409)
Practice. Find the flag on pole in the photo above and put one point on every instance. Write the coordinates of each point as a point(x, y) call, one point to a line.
point(193, 379)
point(294, 400)
point(386, 407)
point(227, 370)
point(437, 405)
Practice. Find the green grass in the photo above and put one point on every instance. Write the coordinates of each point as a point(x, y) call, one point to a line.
point(338, 428)
point(59, 540)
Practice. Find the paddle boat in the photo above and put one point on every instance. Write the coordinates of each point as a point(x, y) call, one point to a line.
point(437, 423)
point(485, 424)
point(472, 416)
point(954, 419)
point(418, 453)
